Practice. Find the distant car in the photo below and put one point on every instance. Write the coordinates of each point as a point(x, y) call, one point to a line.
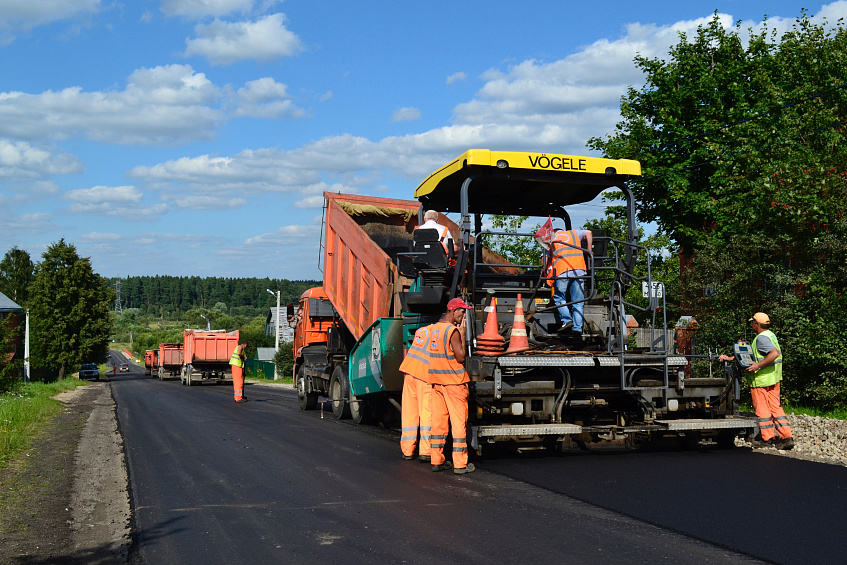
point(124, 368)
point(89, 371)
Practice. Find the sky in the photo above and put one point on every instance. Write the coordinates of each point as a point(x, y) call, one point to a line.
point(196, 137)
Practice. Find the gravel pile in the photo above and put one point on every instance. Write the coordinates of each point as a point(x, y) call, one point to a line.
point(815, 439)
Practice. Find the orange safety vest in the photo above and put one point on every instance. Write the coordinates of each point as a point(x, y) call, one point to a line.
point(567, 253)
point(443, 367)
point(443, 234)
point(416, 362)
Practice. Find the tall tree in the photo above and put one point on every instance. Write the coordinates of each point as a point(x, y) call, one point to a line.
point(742, 143)
point(16, 272)
point(69, 310)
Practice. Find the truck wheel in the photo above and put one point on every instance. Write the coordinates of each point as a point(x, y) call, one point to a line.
point(339, 391)
point(360, 410)
point(307, 400)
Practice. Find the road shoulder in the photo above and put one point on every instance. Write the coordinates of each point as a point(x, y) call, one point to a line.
point(65, 500)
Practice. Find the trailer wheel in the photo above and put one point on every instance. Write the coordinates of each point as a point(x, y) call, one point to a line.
point(339, 391)
point(307, 400)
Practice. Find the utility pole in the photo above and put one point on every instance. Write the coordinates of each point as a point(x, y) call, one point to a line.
point(277, 321)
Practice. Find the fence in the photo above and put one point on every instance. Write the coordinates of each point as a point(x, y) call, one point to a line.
point(256, 369)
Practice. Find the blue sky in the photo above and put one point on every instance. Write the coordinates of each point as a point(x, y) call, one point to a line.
point(196, 137)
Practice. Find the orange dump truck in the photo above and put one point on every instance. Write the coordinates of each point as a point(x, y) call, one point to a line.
point(357, 309)
point(205, 356)
point(151, 361)
point(170, 360)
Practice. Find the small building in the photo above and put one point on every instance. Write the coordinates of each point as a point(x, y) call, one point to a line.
point(11, 313)
point(286, 329)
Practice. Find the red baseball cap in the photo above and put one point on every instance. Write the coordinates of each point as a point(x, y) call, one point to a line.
point(457, 303)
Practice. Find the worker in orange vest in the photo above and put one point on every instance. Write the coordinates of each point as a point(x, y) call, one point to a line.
point(449, 381)
point(568, 267)
point(415, 414)
point(237, 363)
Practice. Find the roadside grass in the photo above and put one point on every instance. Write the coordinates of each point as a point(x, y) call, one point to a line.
point(262, 378)
point(25, 412)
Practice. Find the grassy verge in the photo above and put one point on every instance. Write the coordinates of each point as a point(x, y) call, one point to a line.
point(25, 412)
point(281, 380)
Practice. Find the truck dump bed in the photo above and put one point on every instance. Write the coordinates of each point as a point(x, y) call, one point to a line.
point(170, 355)
point(201, 348)
point(363, 235)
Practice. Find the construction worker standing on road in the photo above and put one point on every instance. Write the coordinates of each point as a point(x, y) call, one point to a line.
point(415, 414)
point(764, 377)
point(237, 363)
point(449, 380)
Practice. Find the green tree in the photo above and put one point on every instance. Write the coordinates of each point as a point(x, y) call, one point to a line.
point(69, 311)
point(16, 272)
point(284, 360)
point(743, 154)
point(10, 369)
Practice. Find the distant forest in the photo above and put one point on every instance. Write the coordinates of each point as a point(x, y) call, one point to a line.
point(166, 295)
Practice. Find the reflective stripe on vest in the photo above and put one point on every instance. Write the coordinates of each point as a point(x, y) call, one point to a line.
point(236, 359)
point(443, 367)
point(416, 362)
point(770, 374)
point(567, 254)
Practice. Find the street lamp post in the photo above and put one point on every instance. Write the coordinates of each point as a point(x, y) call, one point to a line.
point(208, 323)
point(276, 320)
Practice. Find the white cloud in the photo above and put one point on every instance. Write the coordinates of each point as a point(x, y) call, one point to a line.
point(28, 224)
point(102, 194)
point(166, 104)
point(266, 98)
point(456, 77)
point(21, 161)
point(326, 96)
point(17, 16)
point(130, 213)
point(224, 43)
point(209, 202)
point(200, 8)
point(406, 114)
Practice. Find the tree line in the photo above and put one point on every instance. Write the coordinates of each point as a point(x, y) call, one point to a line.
point(73, 318)
point(170, 296)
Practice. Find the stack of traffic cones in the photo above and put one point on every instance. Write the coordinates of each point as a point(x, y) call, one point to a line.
point(490, 342)
point(519, 341)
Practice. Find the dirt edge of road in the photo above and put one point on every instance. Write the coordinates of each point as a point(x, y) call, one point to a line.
point(65, 501)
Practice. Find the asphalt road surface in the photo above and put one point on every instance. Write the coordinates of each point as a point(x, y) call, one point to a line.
point(213, 481)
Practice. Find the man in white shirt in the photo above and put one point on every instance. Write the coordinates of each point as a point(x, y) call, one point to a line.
point(431, 222)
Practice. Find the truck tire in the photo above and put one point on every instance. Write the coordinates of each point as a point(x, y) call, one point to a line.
point(361, 411)
point(339, 393)
point(307, 400)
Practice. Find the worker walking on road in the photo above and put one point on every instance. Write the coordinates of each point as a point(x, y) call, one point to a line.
point(764, 377)
point(417, 393)
point(237, 363)
point(449, 380)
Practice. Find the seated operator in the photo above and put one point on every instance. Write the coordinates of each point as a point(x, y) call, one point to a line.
point(431, 222)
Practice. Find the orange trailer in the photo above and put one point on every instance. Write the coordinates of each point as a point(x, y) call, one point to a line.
point(151, 361)
point(170, 359)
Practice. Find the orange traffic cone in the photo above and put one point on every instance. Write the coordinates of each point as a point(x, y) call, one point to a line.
point(519, 341)
point(491, 342)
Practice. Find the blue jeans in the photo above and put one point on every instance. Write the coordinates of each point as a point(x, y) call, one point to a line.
point(570, 290)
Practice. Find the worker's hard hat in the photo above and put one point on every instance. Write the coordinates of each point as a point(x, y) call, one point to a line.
point(760, 317)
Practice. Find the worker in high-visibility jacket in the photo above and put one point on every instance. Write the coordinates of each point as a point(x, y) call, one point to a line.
point(568, 267)
point(237, 364)
point(449, 381)
point(415, 414)
point(764, 377)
